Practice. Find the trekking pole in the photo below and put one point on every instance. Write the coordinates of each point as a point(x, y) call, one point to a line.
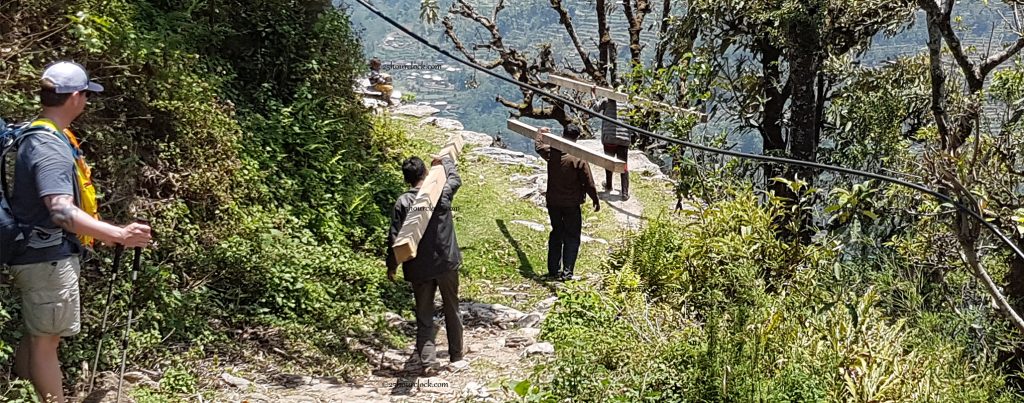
point(136, 265)
point(118, 252)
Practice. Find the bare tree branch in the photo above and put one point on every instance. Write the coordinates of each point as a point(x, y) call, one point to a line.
point(659, 49)
point(969, 254)
point(606, 47)
point(636, 21)
point(995, 60)
point(938, 79)
point(566, 21)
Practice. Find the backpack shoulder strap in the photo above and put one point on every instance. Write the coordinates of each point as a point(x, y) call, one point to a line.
point(19, 136)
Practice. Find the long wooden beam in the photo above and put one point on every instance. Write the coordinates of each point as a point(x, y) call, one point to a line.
point(418, 216)
point(603, 92)
point(594, 157)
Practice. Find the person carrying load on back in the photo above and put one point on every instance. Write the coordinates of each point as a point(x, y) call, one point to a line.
point(436, 265)
point(381, 81)
point(569, 182)
point(616, 141)
point(46, 201)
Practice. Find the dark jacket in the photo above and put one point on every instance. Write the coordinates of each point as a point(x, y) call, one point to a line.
point(569, 178)
point(610, 132)
point(438, 250)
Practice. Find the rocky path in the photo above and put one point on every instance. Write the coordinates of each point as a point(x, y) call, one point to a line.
point(501, 346)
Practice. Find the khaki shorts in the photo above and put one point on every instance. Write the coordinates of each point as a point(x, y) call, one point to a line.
point(49, 297)
point(384, 88)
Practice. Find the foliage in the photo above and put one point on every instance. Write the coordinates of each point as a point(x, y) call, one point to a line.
point(234, 127)
point(685, 314)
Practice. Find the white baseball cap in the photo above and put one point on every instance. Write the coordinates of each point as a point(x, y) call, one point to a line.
point(69, 77)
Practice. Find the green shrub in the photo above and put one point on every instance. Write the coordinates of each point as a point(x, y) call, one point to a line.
point(686, 315)
point(234, 127)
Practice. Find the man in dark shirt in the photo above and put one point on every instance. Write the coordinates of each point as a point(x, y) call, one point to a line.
point(437, 261)
point(44, 197)
point(569, 180)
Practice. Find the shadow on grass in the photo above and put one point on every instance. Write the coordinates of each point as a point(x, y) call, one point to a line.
point(525, 267)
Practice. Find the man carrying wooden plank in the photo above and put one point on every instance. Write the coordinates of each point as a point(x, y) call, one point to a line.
point(569, 180)
point(568, 147)
point(616, 141)
point(436, 262)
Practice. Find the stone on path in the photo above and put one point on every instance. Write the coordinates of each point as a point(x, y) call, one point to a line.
point(234, 380)
point(546, 304)
point(529, 320)
point(516, 341)
point(135, 377)
point(530, 332)
point(459, 365)
point(508, 157)
point(489, 314)
point(587, 239)
point(540, 349)
point(531, 225)
point(418, 111)
point(473, 389)
point(475, 138)
point(442, 123)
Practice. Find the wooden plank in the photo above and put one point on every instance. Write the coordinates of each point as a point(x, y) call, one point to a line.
point(603, 92)
point(419, 215)
point(594, 157)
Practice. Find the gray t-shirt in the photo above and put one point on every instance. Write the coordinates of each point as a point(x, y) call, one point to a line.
point(44, 167)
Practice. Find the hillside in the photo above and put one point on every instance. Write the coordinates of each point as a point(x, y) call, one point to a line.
point(528, 23)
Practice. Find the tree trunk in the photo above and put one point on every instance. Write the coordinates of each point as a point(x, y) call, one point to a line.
point(605, 48)
point(776, 94)
point(803, 141)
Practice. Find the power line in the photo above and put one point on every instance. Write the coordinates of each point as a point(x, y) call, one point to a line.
point(757, 157)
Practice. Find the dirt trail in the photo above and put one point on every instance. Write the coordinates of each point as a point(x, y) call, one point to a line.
point(498, 350)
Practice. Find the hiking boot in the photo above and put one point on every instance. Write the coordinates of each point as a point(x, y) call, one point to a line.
point(568, 277)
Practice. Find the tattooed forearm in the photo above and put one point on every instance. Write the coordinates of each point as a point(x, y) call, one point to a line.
point(62, 210)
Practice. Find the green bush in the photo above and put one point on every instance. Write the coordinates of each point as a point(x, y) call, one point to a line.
point(234, 127)
point(686, 314)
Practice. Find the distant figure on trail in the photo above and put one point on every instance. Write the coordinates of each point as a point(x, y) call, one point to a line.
point(381, 81)
point(437, 261)
point(47, 196)
point(615, 140)
point(569, 181)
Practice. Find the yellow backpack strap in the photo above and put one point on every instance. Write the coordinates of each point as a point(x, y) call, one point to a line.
point(45, 123)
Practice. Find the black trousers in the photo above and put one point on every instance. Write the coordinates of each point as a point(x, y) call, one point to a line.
point(564, 241)
point(424, 292)
point(621, 152)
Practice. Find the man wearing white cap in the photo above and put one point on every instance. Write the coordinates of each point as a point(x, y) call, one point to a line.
point(45, 197)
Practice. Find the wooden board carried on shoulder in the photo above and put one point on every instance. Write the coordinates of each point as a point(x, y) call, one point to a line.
point(592, 156)
point(409, 236)
point(620, 97)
